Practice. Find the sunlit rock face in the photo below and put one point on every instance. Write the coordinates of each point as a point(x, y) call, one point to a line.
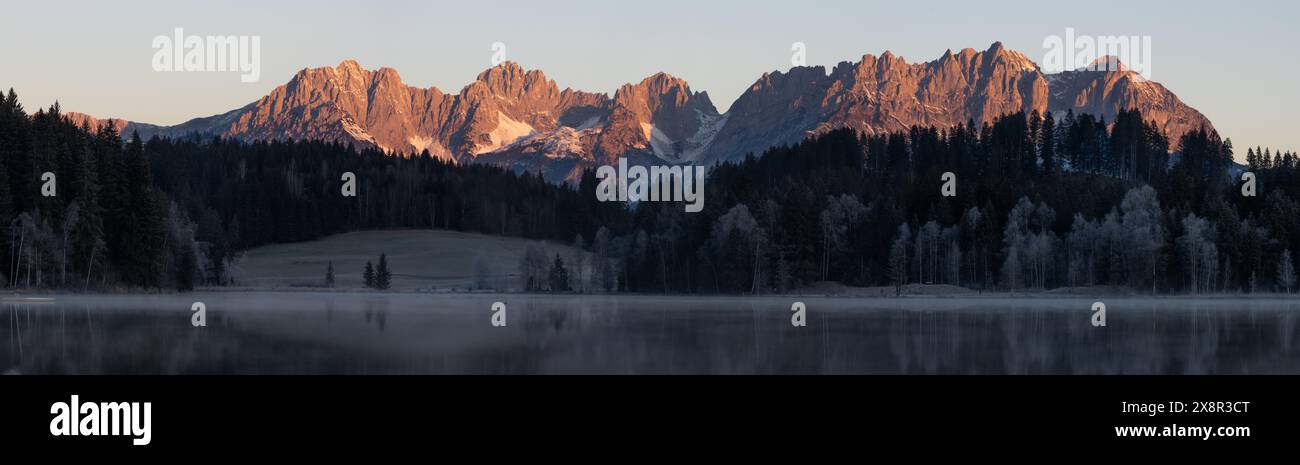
point(520, 119)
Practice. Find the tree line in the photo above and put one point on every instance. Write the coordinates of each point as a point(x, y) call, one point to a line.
point(173, 213)
point(1041, 202)
point(96, 220)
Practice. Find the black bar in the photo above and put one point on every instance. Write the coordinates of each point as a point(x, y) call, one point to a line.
point(324, 413)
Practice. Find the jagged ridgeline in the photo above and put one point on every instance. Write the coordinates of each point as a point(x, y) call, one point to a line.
point(519, 118)
point(1042, 203)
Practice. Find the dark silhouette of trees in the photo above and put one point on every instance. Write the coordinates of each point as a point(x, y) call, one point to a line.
point(559, 276)
point(383, 277)
point(1107, 204)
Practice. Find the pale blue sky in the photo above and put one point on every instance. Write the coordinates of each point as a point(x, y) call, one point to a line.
point(1234, 61)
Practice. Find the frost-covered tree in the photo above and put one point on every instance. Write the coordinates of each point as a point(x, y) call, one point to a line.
point(1200, 255)
point(928, 243)
point(1080, 245)
point(1030, 245)
point(603, 275)
point(838, 219)
point(736, 244)
point(1286, 272)
point(180, 255)
point(1144, 235)
point(533, 268)
point(954, 262)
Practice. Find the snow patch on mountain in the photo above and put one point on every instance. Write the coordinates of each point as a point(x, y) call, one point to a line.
point(420, 143)
point(563, 142)
point(356, 131)
point(507, 132)
point(698, 143)
point(660, 143)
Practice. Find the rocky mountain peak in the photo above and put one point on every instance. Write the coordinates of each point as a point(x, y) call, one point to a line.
point(517, 117)
point(1106, 63)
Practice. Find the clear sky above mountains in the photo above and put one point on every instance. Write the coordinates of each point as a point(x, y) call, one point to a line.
point(1234, 61)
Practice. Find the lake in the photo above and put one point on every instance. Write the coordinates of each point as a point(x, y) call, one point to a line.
point(365, 333)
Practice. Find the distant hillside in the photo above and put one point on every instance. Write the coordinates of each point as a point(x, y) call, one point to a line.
point(419, 259)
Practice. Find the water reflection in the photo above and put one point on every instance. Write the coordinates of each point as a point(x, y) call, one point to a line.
point(375, 333)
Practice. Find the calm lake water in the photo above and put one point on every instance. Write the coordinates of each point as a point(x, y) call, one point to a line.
point(360, 333)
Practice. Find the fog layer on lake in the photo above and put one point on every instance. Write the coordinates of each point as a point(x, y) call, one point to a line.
point(365, 333)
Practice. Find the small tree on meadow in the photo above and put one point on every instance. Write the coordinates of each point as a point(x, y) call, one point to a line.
point(368, 277)
point(559, 276)
point(383, 277)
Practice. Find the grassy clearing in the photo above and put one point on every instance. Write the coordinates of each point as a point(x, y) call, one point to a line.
point(419, 260)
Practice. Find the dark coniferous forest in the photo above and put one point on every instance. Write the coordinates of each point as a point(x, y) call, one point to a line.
point(1040, 203)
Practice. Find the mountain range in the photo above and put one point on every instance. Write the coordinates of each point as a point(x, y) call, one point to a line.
point(520, 119)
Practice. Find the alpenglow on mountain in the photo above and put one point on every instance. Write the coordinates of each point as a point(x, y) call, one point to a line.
point(520, 119)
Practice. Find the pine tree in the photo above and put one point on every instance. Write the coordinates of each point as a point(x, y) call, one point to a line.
point(329, 275)
point(383, 277)
point(134, 231)
point(1047, 144)
point(6, 210)
point(559, 276)
point(1029, 162)
point(368, 277)
point(88, 239)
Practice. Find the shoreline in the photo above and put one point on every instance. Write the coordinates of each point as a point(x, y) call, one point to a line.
point(995, 295)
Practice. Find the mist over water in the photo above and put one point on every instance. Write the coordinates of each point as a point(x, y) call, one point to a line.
point(362, 333)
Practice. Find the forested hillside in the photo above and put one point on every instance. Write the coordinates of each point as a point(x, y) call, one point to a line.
point(1040, 203)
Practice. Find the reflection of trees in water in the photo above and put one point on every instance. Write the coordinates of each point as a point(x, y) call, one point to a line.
point(86, 339)
point(1141, 337)
point(376, 311)
point(604, 334)
point(1201, 338)
point(77, 340)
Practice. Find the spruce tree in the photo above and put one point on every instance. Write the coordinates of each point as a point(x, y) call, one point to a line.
point(134, 217)
point(559, 276)
point(368, 277)
point(329, 275)
point(1047, 144)
point(87, 238)
point(383, 277)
